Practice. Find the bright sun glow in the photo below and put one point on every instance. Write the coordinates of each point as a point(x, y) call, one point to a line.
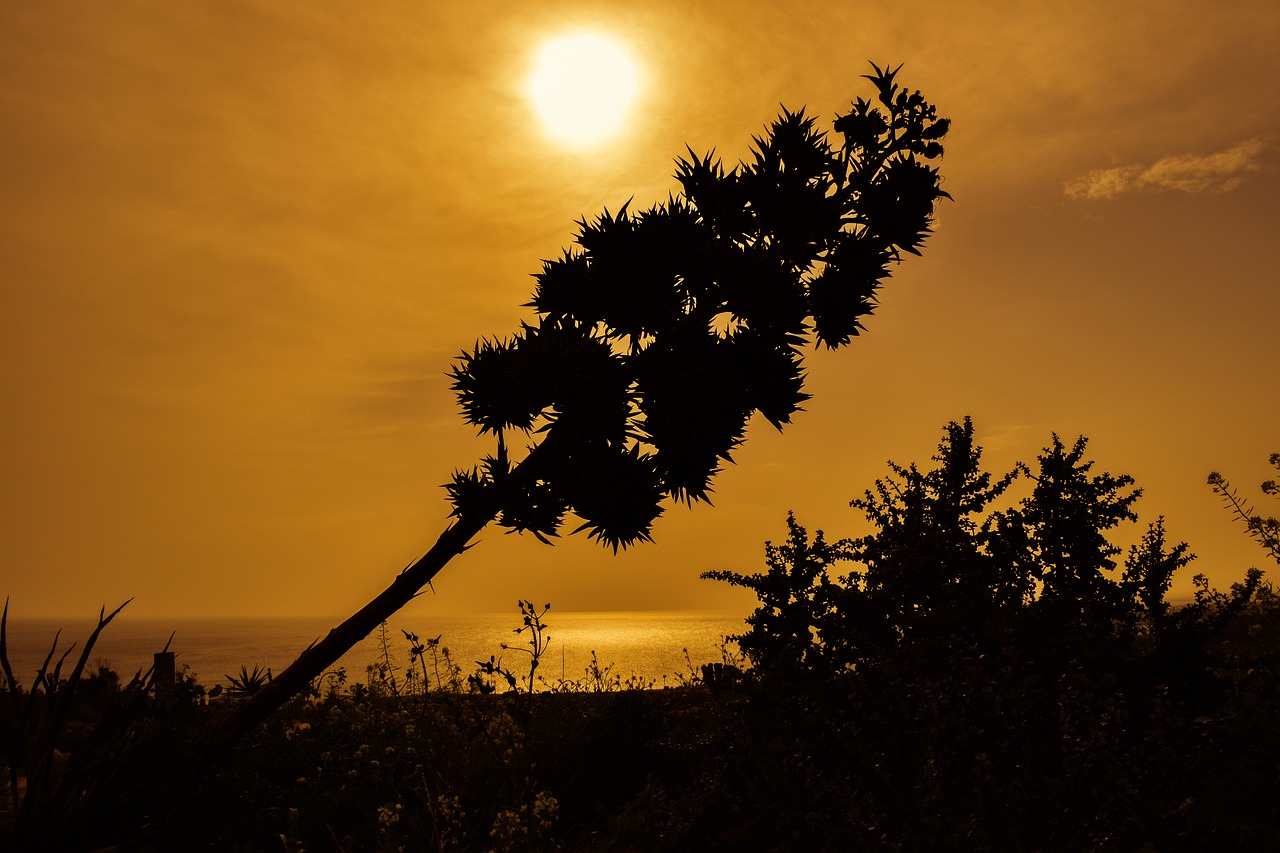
point(582, 86)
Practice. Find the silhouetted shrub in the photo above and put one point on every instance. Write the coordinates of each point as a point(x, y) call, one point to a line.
point(946, 563)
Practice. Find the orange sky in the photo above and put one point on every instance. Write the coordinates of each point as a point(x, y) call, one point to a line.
point(242, 241)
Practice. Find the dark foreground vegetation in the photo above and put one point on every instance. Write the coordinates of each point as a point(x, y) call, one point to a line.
point(950, 692)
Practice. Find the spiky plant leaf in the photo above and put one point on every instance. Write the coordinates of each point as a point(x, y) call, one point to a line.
point(499, 388)
point(538, 509)
point(616, 492)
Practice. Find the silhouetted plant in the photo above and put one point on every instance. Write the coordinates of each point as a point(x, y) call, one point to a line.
point(1149, 570)
point(794, 595)
point(247, 682)
point(1266, 529)
point(65, 743)
point(418, 656)
point(929, 565)
point(481, 681)
point(1212, 610)
point(447, 673)
point(658, 337)
point(944, 563)
point(599, 678)
point(934, 743)
point(538, 638)
point(1065, 521)
point(657, 340)
point(941, 554)
point(384, 669)
point(334, 682)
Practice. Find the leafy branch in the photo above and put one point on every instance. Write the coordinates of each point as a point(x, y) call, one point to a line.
point(1266, 529)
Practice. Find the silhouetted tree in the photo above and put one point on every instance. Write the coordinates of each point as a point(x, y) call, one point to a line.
point(1064, 526)
point(794, 594)
point(942, 562)
point(1149, 570)
point(928, 564)
point(663, 331)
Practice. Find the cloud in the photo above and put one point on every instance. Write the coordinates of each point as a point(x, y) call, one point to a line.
point(1188, 173)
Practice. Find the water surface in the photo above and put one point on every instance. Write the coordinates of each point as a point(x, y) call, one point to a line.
point(647, 644)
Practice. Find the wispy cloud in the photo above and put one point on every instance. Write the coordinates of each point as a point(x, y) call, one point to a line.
point(1188, 173)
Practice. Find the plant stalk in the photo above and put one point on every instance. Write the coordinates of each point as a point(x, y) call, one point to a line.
point(318, 657)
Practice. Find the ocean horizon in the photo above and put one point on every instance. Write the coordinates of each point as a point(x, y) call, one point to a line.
point(649, 645)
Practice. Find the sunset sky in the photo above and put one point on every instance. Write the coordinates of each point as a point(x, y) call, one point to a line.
point(242, 241)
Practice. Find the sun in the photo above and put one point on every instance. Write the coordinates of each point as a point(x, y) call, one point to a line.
point(582, 87)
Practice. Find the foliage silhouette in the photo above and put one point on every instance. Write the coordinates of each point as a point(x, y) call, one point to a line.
point(667, 329)
point(794, 593)
point(71, 741)
point(532, 621)
point(929, 563)
point(1066, 520)
point(943, 564)
point(987, 657)
point(658, 337)
point(1266, 529)
point(248, 682)
point(934, 742)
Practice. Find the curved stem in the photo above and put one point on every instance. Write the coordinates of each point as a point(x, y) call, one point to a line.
point(318, 657)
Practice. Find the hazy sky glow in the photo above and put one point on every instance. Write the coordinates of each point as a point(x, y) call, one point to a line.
point(242, 241)
point(583, 86)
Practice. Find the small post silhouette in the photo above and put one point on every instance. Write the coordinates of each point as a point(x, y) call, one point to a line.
point(164, 673)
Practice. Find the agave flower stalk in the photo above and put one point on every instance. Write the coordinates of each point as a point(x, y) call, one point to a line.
point(658, 336)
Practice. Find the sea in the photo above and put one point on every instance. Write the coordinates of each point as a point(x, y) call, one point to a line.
point(653, 648)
